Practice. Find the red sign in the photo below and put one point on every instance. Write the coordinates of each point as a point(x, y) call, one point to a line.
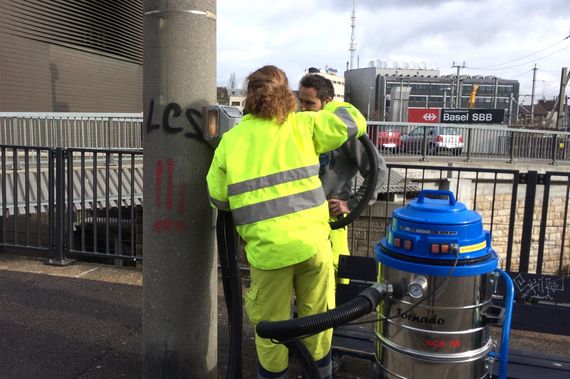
point(424, 115)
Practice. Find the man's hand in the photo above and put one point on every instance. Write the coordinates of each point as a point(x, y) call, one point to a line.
point(338, 207)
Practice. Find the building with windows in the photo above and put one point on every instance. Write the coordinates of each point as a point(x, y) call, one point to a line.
point(379, 90)
point(71, 56)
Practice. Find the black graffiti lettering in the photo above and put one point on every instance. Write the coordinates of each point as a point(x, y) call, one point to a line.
point(149, 125)
point(194, 116)
point(172, 107)
point(174, 110)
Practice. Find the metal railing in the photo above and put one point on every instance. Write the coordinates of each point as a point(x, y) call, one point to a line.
point(394, 139)
point(62, 129)
point(68, 203)
point(428, 141)
point(89, 202)
point(59, 203)
point(526, 212)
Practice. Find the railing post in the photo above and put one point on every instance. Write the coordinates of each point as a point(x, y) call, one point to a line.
point(555, 139)
point(469, 144)
point(424, 144)
point(543, 220)
point(528, 220)
point(512, 217)
point(512, 148)
point(108, 131)
point(58, 246)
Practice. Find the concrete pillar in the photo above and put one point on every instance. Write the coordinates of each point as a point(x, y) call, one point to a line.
point(179, 268)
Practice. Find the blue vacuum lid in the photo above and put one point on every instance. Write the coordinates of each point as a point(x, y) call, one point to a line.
point(434, 232)
point(424, 210)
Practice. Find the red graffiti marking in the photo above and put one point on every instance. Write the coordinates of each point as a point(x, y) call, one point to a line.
point(168, 225)
point(159, 170)
point(169, 183)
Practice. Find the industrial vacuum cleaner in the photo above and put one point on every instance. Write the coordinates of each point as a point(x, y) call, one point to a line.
point(436, 280)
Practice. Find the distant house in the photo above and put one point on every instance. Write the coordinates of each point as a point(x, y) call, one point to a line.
point(543, 115)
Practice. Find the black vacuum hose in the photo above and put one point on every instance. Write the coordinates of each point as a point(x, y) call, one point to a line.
point(228, 249)
point(364, 303)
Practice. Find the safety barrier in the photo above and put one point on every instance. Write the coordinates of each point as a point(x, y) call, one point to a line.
point(60, 203)
point(63, 129)
point(469, 142)
point(526, 213)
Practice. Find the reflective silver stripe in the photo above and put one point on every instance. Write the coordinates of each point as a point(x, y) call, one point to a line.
point(279, 207)
point(273, 179)
point(223, 205)
point(346, 117)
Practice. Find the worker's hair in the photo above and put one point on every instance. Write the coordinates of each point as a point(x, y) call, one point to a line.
point(322, 85)
point(268, 94)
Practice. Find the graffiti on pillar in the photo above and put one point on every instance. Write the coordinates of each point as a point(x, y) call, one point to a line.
point(165, 181)
point(192, 121)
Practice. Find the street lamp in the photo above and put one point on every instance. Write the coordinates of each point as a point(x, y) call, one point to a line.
point(369, 93)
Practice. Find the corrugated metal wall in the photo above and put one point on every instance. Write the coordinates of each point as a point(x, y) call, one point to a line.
point(71, 55)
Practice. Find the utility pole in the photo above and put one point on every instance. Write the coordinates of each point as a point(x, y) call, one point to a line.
point(180, 267)
point(401, 103)
point(566, 125)
point(563, 82)
point(562, 95)
point(532, 95)
point(511, 109)
point(457, 98)
point(496, 93)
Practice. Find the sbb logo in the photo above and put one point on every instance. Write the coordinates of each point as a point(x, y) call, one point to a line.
point(482, 117)
point(429, 116)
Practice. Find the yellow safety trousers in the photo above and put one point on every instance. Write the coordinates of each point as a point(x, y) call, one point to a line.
point(339, 242)
point(269, 298)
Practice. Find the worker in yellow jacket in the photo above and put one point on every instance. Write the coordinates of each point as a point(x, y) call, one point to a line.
point(265, 171)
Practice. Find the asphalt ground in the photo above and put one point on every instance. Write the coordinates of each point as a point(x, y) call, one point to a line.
point(85, 321)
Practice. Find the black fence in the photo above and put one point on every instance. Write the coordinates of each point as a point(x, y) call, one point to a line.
point(60, 203)
point(469, 142)
point(527, 214)
point(68, 203)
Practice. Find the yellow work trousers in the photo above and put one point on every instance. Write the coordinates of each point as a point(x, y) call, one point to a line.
point(269, 298)
point(339, 242)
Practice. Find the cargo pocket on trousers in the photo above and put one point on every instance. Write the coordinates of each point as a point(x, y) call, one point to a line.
point(252, 307)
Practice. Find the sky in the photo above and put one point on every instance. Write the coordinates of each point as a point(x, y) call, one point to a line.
point(504, 38)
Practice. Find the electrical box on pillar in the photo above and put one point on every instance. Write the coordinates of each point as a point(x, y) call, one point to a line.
point(218, 119)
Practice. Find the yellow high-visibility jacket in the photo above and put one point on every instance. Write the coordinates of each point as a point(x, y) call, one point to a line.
point(268, 176)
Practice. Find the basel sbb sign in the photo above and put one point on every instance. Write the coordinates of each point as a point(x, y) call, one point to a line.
point(472, 116)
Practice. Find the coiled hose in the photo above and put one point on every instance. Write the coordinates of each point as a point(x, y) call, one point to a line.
point(364, 303)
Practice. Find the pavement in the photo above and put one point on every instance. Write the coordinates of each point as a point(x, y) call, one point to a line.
point(85, 321)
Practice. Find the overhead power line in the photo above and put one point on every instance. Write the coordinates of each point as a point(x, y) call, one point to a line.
point(520, 64)
point(524, 56)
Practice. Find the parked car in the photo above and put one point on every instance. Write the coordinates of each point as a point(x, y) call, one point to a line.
point(388, 139)
point(438, 139)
